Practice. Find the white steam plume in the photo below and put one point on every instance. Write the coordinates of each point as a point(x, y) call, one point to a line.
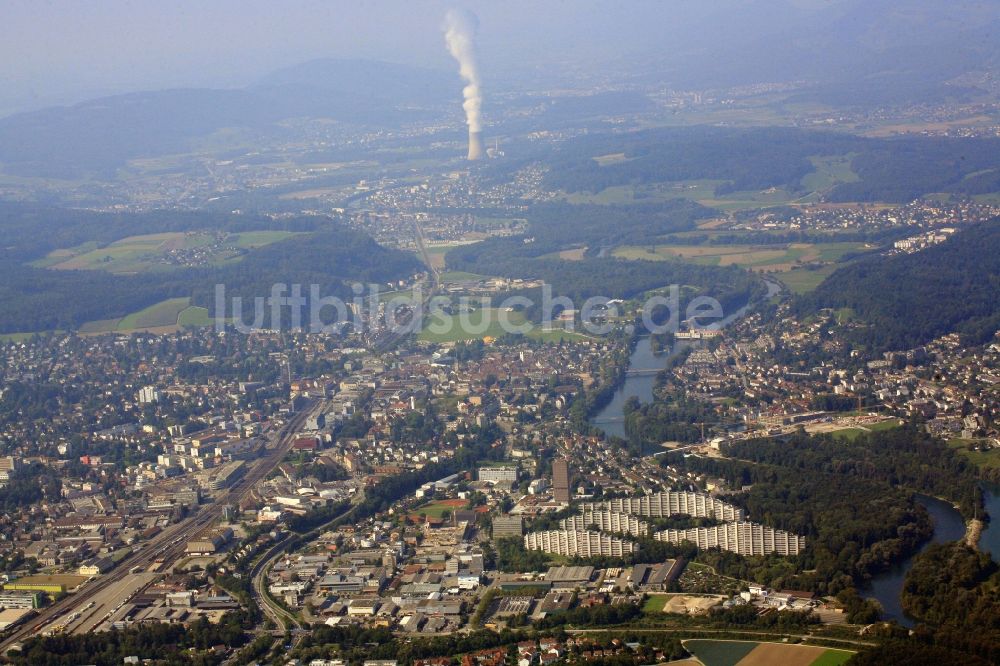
point(459, 35)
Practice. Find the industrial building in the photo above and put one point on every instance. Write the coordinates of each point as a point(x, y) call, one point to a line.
point(560, 480)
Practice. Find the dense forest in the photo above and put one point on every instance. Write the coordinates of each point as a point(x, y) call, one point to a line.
point(895, 169)
point(672, 417)
point(909, 299)
point(951, 588)
point(851, 499)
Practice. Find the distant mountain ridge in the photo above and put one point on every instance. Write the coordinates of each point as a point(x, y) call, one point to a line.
point(101, 135)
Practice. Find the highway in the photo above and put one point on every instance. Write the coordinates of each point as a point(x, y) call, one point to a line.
point(169, 545)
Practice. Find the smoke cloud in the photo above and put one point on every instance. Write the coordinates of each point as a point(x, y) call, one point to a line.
point(459, 36)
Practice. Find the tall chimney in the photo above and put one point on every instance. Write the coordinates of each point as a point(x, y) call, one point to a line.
point(475, 145)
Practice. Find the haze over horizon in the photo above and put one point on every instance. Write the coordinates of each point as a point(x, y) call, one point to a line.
point(63, 53)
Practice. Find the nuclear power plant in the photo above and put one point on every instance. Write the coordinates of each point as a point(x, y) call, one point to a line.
point(460, 29)
point(475, 145)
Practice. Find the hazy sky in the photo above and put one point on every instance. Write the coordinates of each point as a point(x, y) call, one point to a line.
point(54, 51)
point(59, 51)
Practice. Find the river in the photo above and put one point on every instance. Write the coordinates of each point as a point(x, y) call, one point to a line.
point(887, 586)
point(611, 418)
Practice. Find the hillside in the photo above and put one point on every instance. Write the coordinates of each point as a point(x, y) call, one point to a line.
point(907, 300)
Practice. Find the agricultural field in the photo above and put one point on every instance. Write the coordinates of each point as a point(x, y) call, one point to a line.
point(803, 280)
point(831, 170)
point(164, 251)
point(750, 653)
point(163, 317)
point(764, 258)
point(800, 266)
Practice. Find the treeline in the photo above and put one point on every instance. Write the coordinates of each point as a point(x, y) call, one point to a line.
point(31, 231)
point(513, 557)
point(751, 159)
point(38, 299)
point(328, 259)
point(554, 227)
point(894, 169)
point(909, 299)
point(316, 517)
point(356, 643)
point(906, 457)
point(672, 417)
point(165, 643)
point(855, 522)
point(952, 589)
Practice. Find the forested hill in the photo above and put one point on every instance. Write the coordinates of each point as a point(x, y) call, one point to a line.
point(907, 300)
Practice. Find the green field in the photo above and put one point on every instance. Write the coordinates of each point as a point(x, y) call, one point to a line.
point(460, 276)
point(438, 508)
point(164, 313)
point(833, 658)
point(831, 170)
point(986, 460)
point(655, 603)
point(719, 653)
point(169, 314)
point(194, 316)
point(804, 280)
point(149, 252)
point(482, 323)
point(751, 653)
point(781, 258)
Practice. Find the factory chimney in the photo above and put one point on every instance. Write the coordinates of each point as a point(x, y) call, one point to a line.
point(459, 35)
point(475, 145)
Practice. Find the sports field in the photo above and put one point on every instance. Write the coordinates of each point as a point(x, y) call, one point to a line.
point(438, 508)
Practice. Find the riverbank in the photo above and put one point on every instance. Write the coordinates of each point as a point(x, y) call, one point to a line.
point(973, 530)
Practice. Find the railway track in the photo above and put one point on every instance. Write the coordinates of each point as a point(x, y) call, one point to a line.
point(170, 544)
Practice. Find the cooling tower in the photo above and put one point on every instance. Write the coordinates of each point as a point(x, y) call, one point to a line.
point(475, 145)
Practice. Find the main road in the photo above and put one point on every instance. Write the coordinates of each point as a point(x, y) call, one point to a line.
point(170, 544)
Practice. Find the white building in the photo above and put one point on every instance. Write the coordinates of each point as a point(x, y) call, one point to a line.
point(573, 543)
point(506, 474)
point(738, 537)
point(672, 503)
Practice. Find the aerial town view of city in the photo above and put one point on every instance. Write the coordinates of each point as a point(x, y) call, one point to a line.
point(500, 334)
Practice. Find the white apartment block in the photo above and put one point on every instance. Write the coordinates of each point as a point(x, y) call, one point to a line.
point(672, 503)
point(575, 543)
point(505, 474)
point(607, 521)
point(738, 537)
